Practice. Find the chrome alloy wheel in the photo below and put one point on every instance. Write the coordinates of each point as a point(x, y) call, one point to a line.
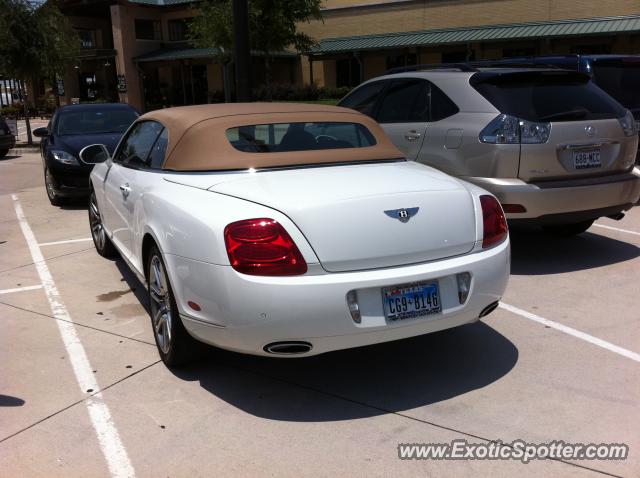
point(95, 221)
point(48, 182)
point(161, 316)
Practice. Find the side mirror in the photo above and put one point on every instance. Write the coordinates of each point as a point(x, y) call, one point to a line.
point(95, 153)
point(41, 132)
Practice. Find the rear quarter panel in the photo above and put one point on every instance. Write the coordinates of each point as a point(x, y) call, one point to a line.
point(190, 222)
point(452, 145)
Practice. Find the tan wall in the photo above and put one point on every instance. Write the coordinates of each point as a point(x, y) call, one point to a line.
point(409, 16)
point(124, 41)
point(215, 80)
point(328, 72)
point(374, 64)
point(403, 16)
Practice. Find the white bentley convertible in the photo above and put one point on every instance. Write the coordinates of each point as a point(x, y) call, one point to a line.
point(291, 230)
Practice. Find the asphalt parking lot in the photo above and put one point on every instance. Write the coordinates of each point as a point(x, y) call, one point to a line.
point(558, 361)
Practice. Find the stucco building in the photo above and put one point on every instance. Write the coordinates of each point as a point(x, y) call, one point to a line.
point(137, 50)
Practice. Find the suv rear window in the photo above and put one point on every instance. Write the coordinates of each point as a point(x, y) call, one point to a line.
point(284, 137)
point(547, 96)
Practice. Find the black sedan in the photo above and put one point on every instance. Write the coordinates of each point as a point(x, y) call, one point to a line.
point(7, 139)
point(72, 128)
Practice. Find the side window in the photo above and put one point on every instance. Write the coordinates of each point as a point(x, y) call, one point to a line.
point(363, 99)
point(441, 105)
point(404, 102)
point(156, 157)
point(137, 145)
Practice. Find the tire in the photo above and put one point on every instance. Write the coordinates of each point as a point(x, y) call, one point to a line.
point(567, 230)
point(3, 153)
point(103, 244)
point(175, 346)
point(49, 186)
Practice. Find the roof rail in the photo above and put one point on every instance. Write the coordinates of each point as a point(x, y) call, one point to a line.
point(442, 66)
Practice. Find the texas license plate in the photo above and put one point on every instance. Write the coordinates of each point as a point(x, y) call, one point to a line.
point(587, 159)
point(409, 301)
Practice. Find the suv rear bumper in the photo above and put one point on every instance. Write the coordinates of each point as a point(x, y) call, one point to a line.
point(572, 198)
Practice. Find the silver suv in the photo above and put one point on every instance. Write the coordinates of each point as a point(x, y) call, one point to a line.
point(551, 145)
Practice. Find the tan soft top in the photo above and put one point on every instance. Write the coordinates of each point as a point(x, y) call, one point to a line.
point(198, 141)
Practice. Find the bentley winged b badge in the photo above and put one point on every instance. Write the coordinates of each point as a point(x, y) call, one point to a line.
point(403, 215)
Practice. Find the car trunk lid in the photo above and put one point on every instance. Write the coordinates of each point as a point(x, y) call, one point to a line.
point(351, 215)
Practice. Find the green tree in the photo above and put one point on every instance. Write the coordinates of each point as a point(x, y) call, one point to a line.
point(212, 27)
point(273, 28)
point(36, 43)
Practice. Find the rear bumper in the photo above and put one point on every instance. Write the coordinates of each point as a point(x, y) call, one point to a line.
point(245, 313)
point(585, 198)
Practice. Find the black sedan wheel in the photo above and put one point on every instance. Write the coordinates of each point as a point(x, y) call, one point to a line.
point(50, 185)
point(174, 343)
point(103, 244)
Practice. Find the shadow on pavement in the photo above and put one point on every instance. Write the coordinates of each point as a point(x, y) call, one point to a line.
point(137, 287)
point(9, 157)
point(9, 401)
point(536, 253)
point(75, 204)
point(358, 383)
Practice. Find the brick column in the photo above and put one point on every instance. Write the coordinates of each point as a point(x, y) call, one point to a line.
point(123, 26)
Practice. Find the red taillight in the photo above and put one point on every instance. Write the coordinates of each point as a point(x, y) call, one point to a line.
point(262, 247)
point(494, 222)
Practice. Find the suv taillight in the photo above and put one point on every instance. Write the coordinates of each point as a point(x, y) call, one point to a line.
point(262, 247)
point(495, 228)
point(506, 129)
point(629, 125)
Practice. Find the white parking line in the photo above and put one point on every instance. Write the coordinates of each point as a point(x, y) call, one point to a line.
point(108, 437)
point(618, 229)
point(576, 333)
point(68, 241)
point(20, 289)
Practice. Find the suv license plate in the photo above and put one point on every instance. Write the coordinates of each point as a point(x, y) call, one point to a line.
point(409, 301)
point(587, 159)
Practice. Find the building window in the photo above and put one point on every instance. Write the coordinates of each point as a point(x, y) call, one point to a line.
point(87, 38)
point(347, 72)
point(148, 30)
point(398, 61)
point(179, 29)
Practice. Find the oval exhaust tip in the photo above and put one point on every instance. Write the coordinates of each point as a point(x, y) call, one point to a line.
point(288, 348)
point(490, 308)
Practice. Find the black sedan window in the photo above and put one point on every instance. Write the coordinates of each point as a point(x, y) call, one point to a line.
point(95, 121)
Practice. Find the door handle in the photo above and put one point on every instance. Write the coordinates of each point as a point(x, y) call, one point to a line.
point(412, 135)
point(125, 189)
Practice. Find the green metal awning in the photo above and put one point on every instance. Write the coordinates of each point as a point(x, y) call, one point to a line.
point(519, 31)
point(168, 54)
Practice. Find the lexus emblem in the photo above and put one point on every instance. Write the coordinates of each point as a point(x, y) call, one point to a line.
point(403, 215)
point(590, 130)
